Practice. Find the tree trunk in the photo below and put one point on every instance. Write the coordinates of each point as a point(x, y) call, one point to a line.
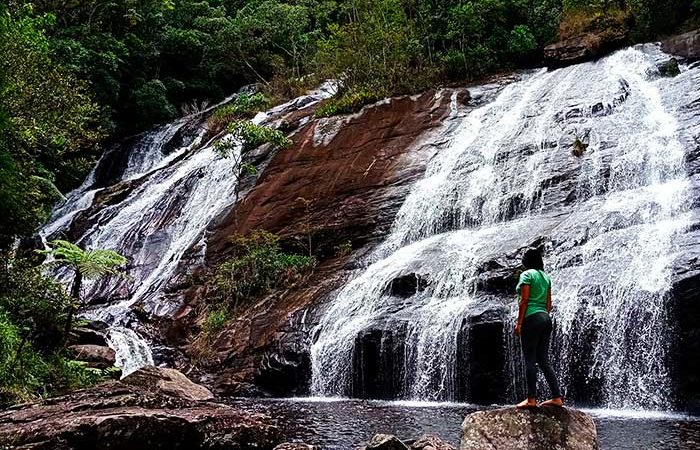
point(75, 300)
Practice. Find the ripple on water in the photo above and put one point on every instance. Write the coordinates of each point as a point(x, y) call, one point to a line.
point(344, 424)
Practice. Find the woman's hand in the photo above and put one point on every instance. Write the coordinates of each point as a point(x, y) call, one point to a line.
point(518, 328)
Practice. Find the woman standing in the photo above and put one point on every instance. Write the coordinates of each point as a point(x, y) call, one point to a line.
point(534, 326)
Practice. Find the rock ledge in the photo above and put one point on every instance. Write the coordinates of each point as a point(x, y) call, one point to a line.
point(151, 409)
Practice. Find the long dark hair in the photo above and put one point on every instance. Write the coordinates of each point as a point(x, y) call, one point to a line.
point(532, 259)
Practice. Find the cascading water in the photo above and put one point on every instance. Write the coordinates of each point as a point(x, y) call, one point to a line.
point(507, 178)
point(160, 224)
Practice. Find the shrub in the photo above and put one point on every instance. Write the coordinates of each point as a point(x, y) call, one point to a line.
point(26, 373)
point(257, 267)
point(150, 103)
point(35, 303)
point(348, 102)
point(242, 107)
point(252, 136)
point(33, 311)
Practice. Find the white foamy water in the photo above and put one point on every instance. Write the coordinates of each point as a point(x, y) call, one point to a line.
point(506, 178)
point(160, 224)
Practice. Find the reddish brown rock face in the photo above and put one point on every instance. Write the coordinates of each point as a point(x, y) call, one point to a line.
point(340, 184)
point(351, 171)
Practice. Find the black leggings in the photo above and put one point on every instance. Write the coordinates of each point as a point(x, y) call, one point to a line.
point(534, 337)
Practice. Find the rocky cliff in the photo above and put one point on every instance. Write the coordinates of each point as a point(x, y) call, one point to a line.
point(545, 158)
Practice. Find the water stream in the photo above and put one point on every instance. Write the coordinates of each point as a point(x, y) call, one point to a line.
point(176, 185)
point(507, 178)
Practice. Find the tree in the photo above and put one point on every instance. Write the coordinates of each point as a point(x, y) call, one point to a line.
point(47, 121)
point(85, 264)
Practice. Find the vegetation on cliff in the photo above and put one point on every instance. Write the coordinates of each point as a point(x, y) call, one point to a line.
point(257, 267)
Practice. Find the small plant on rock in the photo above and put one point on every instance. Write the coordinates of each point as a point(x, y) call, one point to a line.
point(252, 136)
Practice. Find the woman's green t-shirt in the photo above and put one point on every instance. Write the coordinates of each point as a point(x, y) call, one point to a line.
point(539, 283)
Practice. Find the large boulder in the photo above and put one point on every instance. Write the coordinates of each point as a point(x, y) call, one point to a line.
point(151, 409)
point(686, 45)
point(584, 47)
point(97, 356)
point(169, 382)
point(539, 429)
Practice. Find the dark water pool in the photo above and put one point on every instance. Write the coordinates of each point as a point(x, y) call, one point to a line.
point(347, 424)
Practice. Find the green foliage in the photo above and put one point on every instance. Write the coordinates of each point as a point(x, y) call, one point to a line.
point(215, 321)
point(377, 53)
point(33, 308)
point(35, 303)
point(244, 106)
point(47, 121)
point(252, 136)
point(150, 103)
point(257, 267)
point(349, 101)
point(89, 263)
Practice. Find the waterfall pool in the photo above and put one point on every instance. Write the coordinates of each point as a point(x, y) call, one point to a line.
point(345, 424)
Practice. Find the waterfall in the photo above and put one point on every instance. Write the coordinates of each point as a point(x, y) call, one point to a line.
point(161, 193)
point(506, 178)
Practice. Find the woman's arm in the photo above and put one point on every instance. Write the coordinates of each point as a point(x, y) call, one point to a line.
point(549, 300)
point(524, 298)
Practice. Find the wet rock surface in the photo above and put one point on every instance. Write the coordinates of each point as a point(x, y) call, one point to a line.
point(585, 47)
point(537, 429)
point(430, 442)
point(385, 442)
point(150, 409)
point(97, 356)
point(354, 171)
point(686, 45)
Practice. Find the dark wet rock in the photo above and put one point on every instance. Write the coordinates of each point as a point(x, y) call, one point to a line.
point(97, 356)
point(408, 285)
point(136, 413)
point(481, 355)
point(668, 68)
point(385, 442)
point(540, 429)
point(295, 446)
point(686, 45)
point(84, 335)
point(430, 442)
point(585, 47)
point(685, 315)
point(378, 362)
point(464, 97)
